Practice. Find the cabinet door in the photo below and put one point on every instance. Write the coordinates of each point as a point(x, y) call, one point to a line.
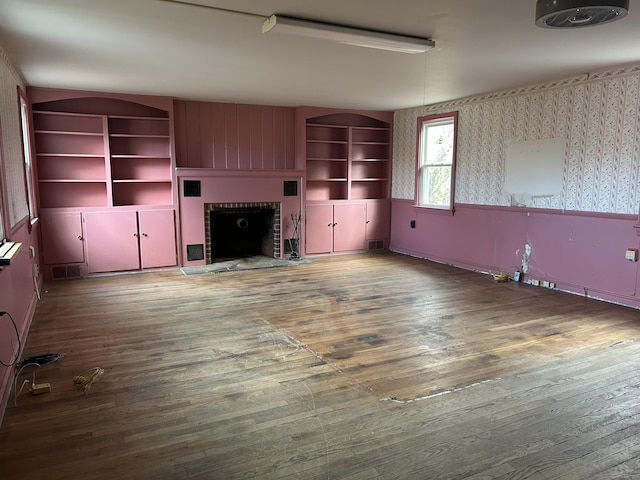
point(111, 241)
point(378, 218)
point(157, 238)
point(319, 228)
point(349, 227)
point(62, 240)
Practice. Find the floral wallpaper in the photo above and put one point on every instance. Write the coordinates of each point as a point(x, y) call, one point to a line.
point(597, 115)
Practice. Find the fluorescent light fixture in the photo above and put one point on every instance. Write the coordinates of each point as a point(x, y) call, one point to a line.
point(347, 35)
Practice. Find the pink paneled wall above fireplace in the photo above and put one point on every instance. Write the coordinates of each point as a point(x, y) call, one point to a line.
point(229, 136)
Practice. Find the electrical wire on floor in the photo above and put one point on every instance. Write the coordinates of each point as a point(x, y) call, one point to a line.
point(45, 358)
point(15, 327)
point(17, 392)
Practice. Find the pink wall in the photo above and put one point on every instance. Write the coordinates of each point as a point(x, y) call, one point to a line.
point(227, 187)
point(17, 297)
point(580, 252)
point(228, 136)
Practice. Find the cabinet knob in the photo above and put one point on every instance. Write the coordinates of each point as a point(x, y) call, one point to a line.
point(367, 221)
point(334, 224)
point(328, 225)
point(144, 234)
point(80, 237)
point(136, 235)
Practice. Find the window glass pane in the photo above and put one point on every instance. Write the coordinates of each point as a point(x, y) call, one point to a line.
point(438, 185)
point(438, 144)
point(28, 162)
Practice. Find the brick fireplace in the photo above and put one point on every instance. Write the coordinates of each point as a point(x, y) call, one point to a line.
point(228, 234)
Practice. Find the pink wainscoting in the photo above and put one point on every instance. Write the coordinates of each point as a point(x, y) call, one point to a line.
point(17, 297)
point(230, 187)
point(229, 136)
point(580, 252)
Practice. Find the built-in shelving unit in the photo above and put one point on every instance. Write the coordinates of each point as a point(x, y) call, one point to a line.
point(327, 161)
point(141, 165)
point(348, 179)
point(370, 162)
point(105, 172)
point(347, 162)
point(101, 160)
point(71, 159)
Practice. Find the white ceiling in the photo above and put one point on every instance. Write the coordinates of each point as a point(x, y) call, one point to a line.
point(162, 48)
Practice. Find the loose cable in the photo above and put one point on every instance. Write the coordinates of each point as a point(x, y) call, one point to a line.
point(15, 327)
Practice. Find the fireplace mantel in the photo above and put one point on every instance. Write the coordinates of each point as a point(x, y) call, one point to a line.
point(234, 187)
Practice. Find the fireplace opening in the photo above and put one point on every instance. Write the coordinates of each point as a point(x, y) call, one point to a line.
point(241, 232)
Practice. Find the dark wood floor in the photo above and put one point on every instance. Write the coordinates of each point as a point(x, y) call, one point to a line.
point(351, 367)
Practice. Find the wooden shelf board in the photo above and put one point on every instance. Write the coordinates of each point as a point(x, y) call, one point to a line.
point(141, 157)
point(333, 142)
point(323, 180)
point(127, 117)
point(69, 132)
point(327, 159)
point(72, 180)
point(135, 135)
point(66, 114)
point(370, 160)
point(75, 155)
point(146, 180)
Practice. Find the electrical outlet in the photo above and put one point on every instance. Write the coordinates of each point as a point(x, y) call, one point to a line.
point(545, 283)
point(36, 270)
point(552, 285)
point(631, 254)
point(535, 283)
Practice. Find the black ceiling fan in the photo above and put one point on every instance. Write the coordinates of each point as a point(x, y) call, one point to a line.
point(579, 13)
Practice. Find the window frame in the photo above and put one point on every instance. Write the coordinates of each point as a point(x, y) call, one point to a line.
point(5, 228)
point(419, 177)
point(25, 119)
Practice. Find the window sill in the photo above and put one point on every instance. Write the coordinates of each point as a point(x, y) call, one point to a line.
point(9, 250)
point(437, 211)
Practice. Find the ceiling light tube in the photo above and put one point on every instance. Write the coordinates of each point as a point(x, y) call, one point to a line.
point(347, 35)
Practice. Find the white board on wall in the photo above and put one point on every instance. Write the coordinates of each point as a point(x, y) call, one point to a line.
point(534, 167)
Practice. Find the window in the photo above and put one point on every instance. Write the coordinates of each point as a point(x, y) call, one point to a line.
point(3, 199)
point(436, 165)
point(28, 160)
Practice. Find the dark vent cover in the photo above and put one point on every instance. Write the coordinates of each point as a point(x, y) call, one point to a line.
point(579, 13)
point(195, 252)
point(192, 188)
point(290, 188)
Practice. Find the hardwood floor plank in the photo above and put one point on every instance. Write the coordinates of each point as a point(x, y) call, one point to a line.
point(358, 366)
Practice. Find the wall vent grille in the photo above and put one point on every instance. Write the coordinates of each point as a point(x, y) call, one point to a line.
point(65, 271)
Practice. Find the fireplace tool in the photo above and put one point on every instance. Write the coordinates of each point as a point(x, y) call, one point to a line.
point(294, 243)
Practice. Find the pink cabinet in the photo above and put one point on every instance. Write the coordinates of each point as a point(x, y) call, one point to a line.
point(349, 227)
point(378, 220)
point(61, 238)
point(157, 238)
point(338, 227)
point(112, 242)
point(319, 228)
point(130, 240)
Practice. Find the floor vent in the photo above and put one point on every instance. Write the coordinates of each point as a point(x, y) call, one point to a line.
point(65, 271)
point(376, 244)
